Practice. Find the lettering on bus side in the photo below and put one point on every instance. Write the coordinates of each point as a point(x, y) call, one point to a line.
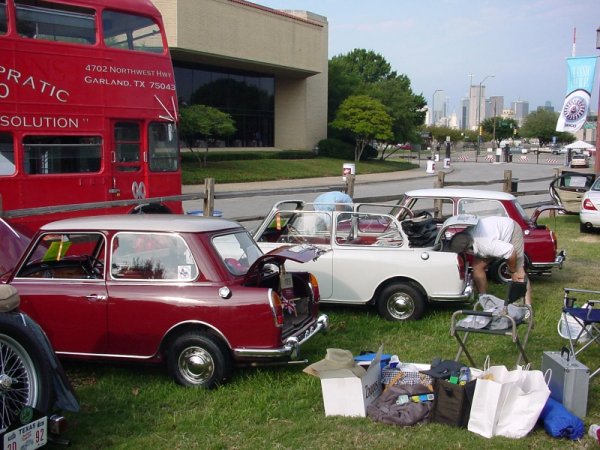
point(14, 77)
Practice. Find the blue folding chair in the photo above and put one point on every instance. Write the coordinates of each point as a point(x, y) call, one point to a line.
point(587, 318)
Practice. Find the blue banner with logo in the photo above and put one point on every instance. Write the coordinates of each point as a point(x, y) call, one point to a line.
point(580, 81)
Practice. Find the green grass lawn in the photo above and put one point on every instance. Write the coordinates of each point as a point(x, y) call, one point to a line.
point(238, 171)
point(139, 407)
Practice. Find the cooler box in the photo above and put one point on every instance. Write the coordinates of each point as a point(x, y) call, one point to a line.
point(569, 381)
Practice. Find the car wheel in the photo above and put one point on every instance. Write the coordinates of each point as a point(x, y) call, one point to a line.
point(583, 228)
point(498, 272)
point(198, 360)
point(25, 373)
point(401, 301)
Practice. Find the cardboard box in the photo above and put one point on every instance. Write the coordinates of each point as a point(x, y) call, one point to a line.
point(345, 394)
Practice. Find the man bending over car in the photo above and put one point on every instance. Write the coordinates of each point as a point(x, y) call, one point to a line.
point(492, 238)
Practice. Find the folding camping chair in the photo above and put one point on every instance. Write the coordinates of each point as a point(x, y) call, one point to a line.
point(586, 318)
point(505, 315)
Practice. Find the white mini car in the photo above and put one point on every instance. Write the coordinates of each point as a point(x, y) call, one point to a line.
point(371, 257)
point(589, 215)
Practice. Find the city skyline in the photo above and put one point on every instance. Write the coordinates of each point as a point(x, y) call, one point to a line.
point(457, 43)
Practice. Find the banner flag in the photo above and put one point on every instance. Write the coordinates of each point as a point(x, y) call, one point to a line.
point(580, 81)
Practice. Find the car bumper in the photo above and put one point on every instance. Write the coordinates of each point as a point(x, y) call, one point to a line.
point(291, 346)
point(466, 295)
point(558, 262)
point(591, 218)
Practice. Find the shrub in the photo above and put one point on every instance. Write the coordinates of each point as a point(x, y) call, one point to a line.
point(340, 149)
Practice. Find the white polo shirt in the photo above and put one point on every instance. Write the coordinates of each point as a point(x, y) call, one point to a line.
point(492, 237)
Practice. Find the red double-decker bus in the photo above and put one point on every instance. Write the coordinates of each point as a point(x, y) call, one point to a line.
point(88, 109)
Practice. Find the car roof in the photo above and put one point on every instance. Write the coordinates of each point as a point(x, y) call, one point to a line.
point(457, 192)
point(143, 222)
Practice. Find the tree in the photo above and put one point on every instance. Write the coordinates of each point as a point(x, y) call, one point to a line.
point(504, 128)
point(366, 119)
point(541, 124)
point(363, 72)
point(203, 122)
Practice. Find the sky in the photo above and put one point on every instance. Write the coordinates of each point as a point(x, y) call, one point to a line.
point(520, 45)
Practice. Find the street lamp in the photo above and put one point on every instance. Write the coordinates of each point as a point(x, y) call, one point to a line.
point(479, 111)
point(596, 155)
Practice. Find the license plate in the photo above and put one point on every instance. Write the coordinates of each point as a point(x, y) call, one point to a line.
point(30, 436)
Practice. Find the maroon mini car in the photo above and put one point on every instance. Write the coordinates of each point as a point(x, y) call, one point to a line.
point(195, 293)
point(541, 245)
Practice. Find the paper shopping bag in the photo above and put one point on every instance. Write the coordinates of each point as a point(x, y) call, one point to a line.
point(491, 390)
point(523, 405)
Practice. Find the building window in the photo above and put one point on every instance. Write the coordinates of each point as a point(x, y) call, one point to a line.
point(248, 97)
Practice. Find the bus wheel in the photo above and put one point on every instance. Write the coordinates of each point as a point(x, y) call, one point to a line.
point(151, 208)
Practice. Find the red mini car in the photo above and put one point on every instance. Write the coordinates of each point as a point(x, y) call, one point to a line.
point(541, 246)
point(196, 293)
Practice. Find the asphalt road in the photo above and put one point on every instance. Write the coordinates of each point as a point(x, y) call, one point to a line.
point(391, 183)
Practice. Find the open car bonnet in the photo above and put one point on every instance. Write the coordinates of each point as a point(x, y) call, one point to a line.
point(455, 224)
point(300, 253)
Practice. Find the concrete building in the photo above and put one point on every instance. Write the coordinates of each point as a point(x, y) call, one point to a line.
point(521, 109)
point(265, 67)
point(496, 105)
point(476, 106)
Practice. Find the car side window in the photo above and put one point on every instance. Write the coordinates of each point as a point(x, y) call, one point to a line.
point(66, 256)
point(439, 208)
point(152, 256)
point(481, 207)
point(312, 227)
point(361, 229)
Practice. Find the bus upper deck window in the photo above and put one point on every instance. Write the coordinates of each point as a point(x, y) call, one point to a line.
point(163, 147)
point(3, 24)
point(7, 154)
point(131, 32)
point(55, 22)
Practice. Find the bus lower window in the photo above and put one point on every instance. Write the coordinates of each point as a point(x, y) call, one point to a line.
point(62, 154)
point(163, 149)
point(55, 22)
point(131, 32)
point(7, 154)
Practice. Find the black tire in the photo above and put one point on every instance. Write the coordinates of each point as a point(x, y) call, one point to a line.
point(198, 360)
point(498, 272)
point(25, 372)
point(583, 228)
point(401, 301)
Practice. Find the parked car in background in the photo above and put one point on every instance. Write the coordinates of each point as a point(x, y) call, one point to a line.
point(568, 188)
point(541, 247)
point(579, 160)
point(370, 257)
point(195, 293)
point(589, 215)
point(518, 151)
point(34, 389)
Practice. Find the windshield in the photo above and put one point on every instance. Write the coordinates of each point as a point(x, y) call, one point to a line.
point(238, 251)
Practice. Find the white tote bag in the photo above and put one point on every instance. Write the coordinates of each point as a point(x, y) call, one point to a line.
point(491, 390)
point(523, 405)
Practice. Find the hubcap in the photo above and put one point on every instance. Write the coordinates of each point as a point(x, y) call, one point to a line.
point(196, 365)
point(401, 306)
